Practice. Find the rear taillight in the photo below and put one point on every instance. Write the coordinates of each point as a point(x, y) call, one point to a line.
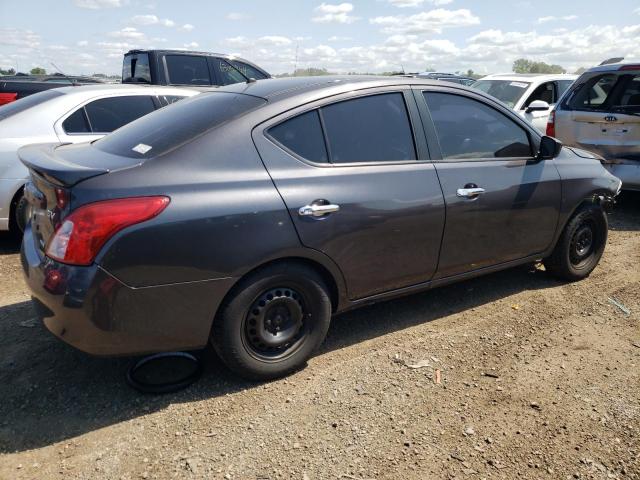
point(629, 67)
point(83, 233)
point(62, 198)
point(8, 98)
point(551, 124)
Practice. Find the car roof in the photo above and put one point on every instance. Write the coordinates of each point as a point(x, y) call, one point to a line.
point(287, 87)
point(530, 76)
point(614, 67)
point(122, 89)
point(174, 51)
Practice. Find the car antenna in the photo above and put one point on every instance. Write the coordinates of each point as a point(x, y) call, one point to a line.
point(71, 81)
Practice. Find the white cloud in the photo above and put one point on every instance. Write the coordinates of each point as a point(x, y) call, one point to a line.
point(151, 20)
point(97, 4)
point(552, 18)
point(82, 43)
point(336, 38)
point(22, 39)
point(191, 45)
point(274, 40)
point(187, 27)
point(637, 10)
point(128, 33)
point(236, 16)
point(334, 13)
point(418, 3)
point(433, 21)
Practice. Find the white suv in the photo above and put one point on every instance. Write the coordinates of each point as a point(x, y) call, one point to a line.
point(601, 113)
point(532, 96)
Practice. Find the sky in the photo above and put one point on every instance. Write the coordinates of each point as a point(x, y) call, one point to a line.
point(90, 36)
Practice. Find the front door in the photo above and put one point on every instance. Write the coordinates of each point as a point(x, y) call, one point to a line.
point(356, 180)
point(501, 203)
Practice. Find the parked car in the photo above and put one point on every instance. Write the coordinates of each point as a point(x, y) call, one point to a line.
point(532, 96)
point(67, 115)
point(601, 113)
point(15, 87)
point(179, 67)
point(250, 214)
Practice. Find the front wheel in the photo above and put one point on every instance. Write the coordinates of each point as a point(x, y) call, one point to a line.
point(581, 244)
point(273, 321)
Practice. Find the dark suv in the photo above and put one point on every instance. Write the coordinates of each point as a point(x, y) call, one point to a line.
point(251, 214)
point(179, 67)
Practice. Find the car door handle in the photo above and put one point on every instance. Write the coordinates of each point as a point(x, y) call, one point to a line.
point(470, 192)
point(316, 210)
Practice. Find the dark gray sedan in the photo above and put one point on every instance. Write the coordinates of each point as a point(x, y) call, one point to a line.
point(249, 215)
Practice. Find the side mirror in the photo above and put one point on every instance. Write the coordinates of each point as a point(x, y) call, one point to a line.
point(538, 106)
point(549, 148)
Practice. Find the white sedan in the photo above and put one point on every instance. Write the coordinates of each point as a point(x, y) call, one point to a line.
point(67, 115)
point(532, 96)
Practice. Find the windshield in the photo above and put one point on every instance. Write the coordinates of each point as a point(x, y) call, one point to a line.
point(135, 68)
point(507, 91)
point(170, 127)
point(25, 103)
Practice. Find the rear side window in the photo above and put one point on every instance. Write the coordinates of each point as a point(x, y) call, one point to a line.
point(76, 123)
point(169, 99)
point(188, 70)
point(169, 128)
point(135, 68)
point(369, 129)
point(108, 114)
point(303, 136)
point(467, 128)
point(25, 103)
point(563, 86)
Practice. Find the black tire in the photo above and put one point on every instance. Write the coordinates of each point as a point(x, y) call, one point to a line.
point(581, 244)
point(273, 321)
point(19, 214)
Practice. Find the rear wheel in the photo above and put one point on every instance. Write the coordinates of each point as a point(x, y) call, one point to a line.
point(581, 244)
point(19, 214)
point(273, 321)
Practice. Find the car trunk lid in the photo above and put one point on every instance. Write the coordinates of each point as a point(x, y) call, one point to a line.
point(54, 170)
point(614, 136)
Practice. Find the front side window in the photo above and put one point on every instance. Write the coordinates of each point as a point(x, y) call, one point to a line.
point(227, 74)
point(375, 128)
point(107, 114)
point(247, 70)
point(508, 92)
point(303, 136)
point(188, 70)
point(467, 128)
point(545, 92)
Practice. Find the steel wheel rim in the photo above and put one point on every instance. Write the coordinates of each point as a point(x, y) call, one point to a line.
point(276, 324)
point(583, 244)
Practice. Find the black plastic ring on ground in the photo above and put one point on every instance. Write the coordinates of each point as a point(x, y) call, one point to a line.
point(166, 387)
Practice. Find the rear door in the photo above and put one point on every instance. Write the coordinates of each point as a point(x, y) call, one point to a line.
point(603, 116)
point(501, 203)
point(355, 176)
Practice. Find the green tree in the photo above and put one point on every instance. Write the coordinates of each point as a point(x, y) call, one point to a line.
point(38, 71)
point(523, 65)
point(11, 71)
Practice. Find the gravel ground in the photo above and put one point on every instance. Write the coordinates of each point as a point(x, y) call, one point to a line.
point(521, 376)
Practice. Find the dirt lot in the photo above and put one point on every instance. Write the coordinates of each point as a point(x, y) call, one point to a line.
point(539, 379)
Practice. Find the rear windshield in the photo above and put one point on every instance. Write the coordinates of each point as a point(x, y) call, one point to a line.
point(507, 91)
point(170, 127)
point(135, 68)
point(25, 103)
point(608, 92)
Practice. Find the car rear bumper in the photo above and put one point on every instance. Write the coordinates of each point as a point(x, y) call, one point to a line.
point(628, 172)
point(96, 313)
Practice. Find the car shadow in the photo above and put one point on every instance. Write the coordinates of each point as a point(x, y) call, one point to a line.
point(626, 212)
point(52, 392)
point(9, 243)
